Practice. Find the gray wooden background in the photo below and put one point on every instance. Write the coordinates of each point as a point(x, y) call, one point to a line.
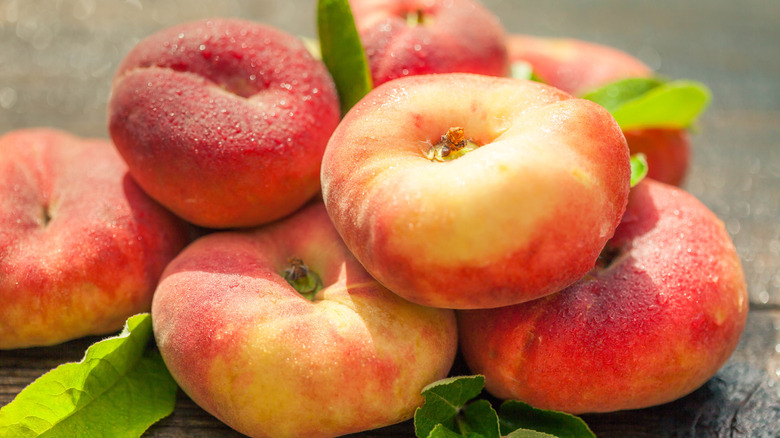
point(57, 58)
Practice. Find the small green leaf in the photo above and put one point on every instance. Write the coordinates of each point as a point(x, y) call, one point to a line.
point(651, 103)
point(516, 415)
point(615, 94)
point(443, 402)
point(525, 433)
point(342, 51)
point(442, 432)
point(119, 389)
point(674, 105)
point(638, 168)
point(481, 418)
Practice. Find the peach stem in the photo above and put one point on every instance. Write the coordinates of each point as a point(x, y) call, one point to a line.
point(302, 279)
point(453, 144)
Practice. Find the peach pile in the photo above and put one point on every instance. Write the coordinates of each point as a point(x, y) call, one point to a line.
point(345, 259)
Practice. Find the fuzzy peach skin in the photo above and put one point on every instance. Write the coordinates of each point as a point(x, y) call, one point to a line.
point(81, 246)
point(251, 350)
point(653, 322)
point(414, 37)
point(578, 67)
point(223, 121)
point(520, 217)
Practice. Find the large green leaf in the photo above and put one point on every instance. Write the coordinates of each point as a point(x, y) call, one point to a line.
point(342, 51)
point(119, 389)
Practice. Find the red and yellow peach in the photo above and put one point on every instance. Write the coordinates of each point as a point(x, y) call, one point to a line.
point(485, 229)
point(81, 245)
point(252, 350)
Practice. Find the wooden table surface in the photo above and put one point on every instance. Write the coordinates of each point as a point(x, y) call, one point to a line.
point(57, 60)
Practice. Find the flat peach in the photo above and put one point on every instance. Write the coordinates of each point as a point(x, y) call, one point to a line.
point(658, 316)
point(523, 215)
point(252, 350)
point(81, 245)
point(224, 121)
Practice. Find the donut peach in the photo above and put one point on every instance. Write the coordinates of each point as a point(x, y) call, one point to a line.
point(273, 355)
point(471, 191)
point(81, 245)
point(223, 121)
point(657, 317)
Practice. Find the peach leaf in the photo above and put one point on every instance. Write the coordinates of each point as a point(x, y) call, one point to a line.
point(119, 389)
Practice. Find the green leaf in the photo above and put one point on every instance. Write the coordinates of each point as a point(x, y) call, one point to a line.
point(651, 103)
point(638, 168)
point(342, 51)
point(516, 415)
point(119, 389)
point(444, 400)
point(615, 94)
point(525, 433)
point(481, 418)
point(674, 105)
point(442, 432)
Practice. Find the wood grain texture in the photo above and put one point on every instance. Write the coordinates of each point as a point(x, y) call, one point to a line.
point(57, 60)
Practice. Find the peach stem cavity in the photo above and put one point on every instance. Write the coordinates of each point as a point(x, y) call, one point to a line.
point(302, 279)
point(45, 215)
point(453, 144)
point(417, 18)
